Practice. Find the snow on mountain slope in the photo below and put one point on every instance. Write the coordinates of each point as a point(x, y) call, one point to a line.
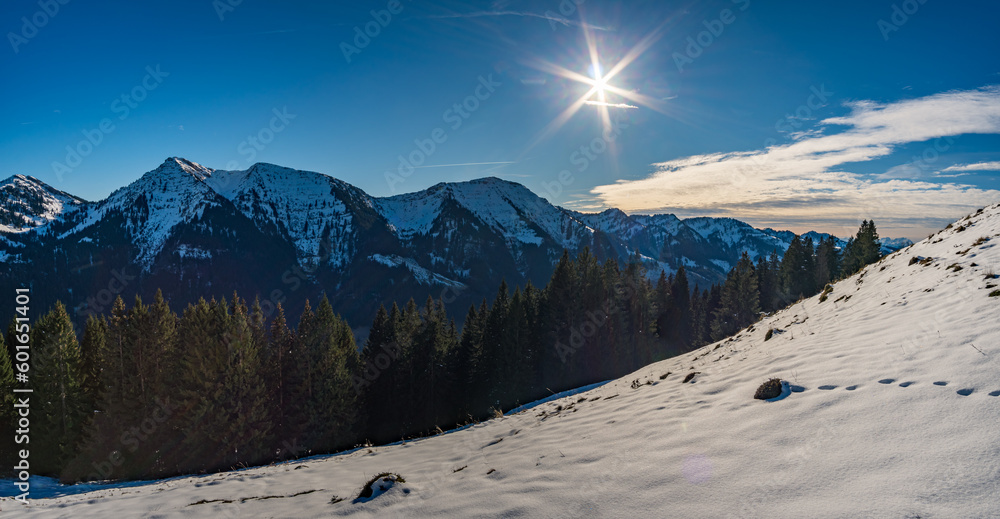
point(27, 203)
point(172, 194)
point(890, 410)
point(422, 275)
point(613, 221)
point(302, 205)
point(512, 209)
point(890, 245)
point(737, 234)
point(667, 222)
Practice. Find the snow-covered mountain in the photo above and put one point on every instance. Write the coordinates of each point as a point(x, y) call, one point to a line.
point(889, 405)
point(287, 235)
point(27, 203)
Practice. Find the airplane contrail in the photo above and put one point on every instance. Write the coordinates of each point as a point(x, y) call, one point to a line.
point(611, 105)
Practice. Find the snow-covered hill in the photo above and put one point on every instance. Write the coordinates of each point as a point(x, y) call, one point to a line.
point(27, 203)
point(891, 402)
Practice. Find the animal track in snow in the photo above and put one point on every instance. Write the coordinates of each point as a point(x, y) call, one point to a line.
point(886, 381)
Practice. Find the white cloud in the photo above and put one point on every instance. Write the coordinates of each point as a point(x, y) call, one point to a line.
point(802, 181)
point(979, 166)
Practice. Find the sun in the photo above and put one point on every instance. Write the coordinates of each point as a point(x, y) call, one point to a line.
point(600, 83)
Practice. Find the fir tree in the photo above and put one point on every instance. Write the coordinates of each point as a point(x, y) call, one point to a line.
point(7, 411)
point(861, 250)
point(739, 305)
point(56, 382)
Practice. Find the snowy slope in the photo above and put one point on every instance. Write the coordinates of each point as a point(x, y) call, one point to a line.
point(519, 215)
point(27, 203)
point(172, 194)
point(302, 205)
point(890, 411)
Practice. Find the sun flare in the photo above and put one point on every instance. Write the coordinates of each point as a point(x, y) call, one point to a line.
point(600, 85)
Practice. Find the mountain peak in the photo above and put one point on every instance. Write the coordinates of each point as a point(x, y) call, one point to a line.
point(187, 166)
point(29, 203)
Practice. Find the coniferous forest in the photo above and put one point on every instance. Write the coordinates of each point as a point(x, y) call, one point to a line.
point(145, 392)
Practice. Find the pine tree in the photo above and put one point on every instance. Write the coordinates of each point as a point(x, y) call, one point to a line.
point(796, 274)
point(333, 405)
point(681, 311)
point(56, 382)
point(470, 387)
point(279, 346)
point(827, 261)
point(7, 412)
point(94, 351)
point(561, 308)
point(767, 276)
point(861, 250)
point(740, 304)
point(377, 378)
point(248, 427)
point(493, 348)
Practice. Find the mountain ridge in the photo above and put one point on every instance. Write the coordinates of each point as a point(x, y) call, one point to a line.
point(204, 230)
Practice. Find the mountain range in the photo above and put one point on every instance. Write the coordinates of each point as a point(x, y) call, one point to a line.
point(286, 235)
point(888, 408)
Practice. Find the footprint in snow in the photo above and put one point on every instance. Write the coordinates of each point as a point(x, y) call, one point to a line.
point(965, 392)
point(827, 388)
point(906, 384)
point(940, 383)
point(887, 381)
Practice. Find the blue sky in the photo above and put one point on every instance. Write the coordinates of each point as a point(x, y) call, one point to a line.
point(785, 114)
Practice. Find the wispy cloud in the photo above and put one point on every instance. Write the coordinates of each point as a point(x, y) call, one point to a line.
point(610, 105)
point(548, 16)
point(979, 166)
point(804, 181)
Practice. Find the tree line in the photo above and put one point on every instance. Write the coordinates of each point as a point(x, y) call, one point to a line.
point(145, 392)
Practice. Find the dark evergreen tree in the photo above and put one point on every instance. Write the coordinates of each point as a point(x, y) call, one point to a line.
point(739, 305)
point(861, 250)
point(827, 262)
point(681, 312)
point(280, 343)
point(8, 414)
point(58, 402)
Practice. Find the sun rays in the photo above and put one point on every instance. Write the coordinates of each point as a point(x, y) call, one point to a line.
point(602, 94)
